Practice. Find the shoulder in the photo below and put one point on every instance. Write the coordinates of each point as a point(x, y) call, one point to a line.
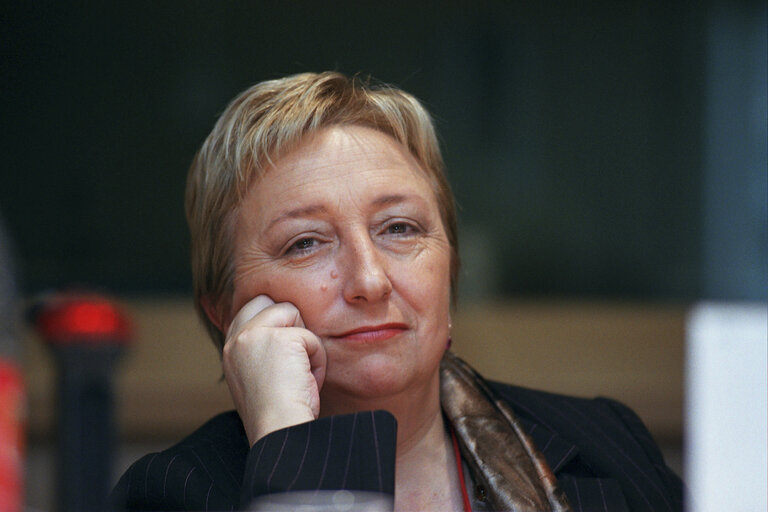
point(575, 417)
point(224, 431)
point(532, 397)
point(609, 441)
point(204, 471)
point(590, 421)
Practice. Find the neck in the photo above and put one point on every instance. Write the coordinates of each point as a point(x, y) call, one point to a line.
point(416, 408)
point(425, 474)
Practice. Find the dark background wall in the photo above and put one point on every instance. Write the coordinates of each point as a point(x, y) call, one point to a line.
point(611, 149)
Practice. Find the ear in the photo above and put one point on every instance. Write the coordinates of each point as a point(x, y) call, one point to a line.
point(214, 313)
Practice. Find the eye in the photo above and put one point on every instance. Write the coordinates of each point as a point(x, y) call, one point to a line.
point(301, 245)
point(400, 228)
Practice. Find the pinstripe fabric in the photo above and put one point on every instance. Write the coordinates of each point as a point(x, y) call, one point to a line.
point(600, 452)
point(353, 452)
point(203, 472)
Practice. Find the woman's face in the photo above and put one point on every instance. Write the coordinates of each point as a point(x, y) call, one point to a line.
point(347, 228)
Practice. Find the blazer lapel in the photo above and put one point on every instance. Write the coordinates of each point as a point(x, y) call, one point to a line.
point(557, 451)
point(584, 493)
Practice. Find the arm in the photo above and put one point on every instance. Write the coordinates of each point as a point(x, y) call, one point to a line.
point(213, 469)
point(350, 452)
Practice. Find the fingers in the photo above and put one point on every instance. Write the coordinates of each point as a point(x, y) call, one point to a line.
point(269, 314)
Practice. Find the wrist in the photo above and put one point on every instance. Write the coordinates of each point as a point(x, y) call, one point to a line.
point(273, 421)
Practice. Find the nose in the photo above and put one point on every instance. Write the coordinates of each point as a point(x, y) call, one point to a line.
point(365, 272)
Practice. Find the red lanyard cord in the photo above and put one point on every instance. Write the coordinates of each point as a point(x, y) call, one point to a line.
point(465, 497)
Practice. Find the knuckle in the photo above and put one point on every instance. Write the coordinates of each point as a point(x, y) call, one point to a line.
point(226, 352)
point(287, 308)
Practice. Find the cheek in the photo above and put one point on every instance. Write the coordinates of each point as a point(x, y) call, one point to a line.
point(427, 282)
point(328, 281)
point(310, 290)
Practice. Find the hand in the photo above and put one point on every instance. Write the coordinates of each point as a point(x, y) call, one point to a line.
point(274, 367)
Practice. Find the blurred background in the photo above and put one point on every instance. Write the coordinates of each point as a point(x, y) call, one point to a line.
point(608, 159)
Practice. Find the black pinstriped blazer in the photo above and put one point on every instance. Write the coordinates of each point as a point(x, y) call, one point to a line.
point(599, 450)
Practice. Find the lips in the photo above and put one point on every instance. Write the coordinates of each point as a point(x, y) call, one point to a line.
point(372, 333)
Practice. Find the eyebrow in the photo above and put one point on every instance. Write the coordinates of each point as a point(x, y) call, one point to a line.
point(306, 211)
point(392, 199)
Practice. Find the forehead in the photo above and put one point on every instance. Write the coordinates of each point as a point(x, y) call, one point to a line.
point(339, 159)
point(339, 146)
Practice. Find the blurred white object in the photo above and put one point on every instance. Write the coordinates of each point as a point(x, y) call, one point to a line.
point(323, 501)
point(726, 408)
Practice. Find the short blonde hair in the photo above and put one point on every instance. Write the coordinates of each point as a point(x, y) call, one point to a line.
point(269, 119)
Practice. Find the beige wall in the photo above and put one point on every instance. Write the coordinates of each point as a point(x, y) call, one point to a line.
point(169, 381)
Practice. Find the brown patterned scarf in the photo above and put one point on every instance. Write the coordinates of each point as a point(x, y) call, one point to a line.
point(499, 453)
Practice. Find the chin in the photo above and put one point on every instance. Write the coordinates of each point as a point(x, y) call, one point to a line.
point(373, 378)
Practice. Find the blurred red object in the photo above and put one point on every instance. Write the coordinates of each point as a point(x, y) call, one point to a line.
point(86, 333)
point(83, 319)
point(12, 425)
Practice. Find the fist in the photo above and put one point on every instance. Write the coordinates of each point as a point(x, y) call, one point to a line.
point(274, 367)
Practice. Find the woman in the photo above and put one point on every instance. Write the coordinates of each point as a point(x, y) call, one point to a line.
point(324, 254)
